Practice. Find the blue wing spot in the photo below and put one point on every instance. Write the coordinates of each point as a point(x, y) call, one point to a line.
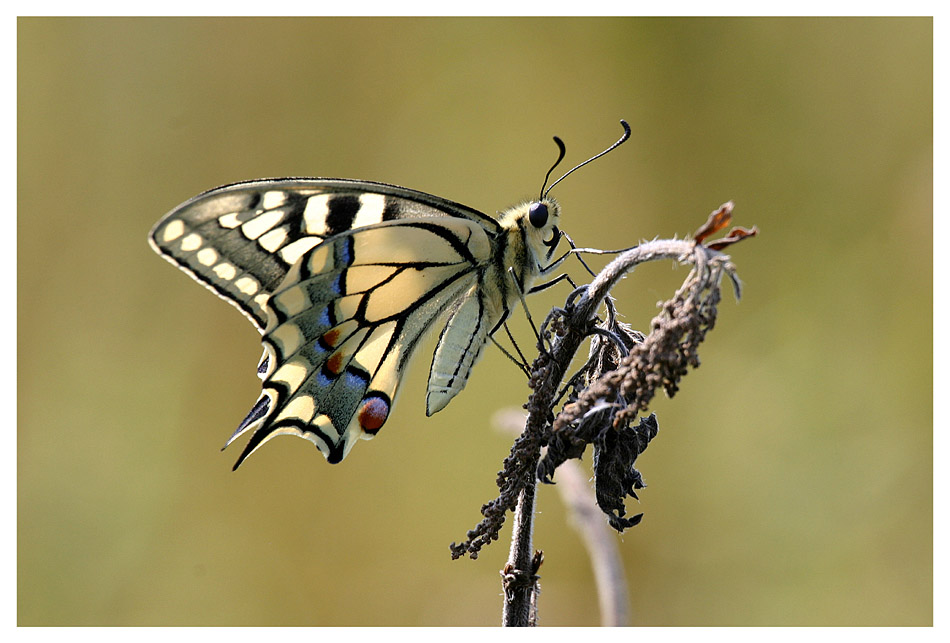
point(324, 378)
point(324, 319)
point(344, 251)
point(336, 286)
point(356, 378)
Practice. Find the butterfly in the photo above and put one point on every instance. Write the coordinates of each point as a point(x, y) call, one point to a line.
point(343, 278)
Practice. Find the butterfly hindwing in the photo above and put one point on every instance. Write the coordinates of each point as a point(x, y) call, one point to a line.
point(343, 324)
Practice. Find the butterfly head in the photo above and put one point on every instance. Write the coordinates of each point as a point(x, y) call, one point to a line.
point(543, 216)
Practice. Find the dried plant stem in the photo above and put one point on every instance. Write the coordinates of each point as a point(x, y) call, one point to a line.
point(604, 412)
point(518, 574)
point(601, 545)
point(519, 577)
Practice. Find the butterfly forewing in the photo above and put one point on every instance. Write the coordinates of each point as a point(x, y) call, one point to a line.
point(240, 240)
point(343, 324)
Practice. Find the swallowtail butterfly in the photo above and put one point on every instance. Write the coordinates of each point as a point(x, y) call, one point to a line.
point(343, 278)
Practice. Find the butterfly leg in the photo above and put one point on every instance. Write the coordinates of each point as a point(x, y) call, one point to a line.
point(522, 363)
point(573, 251)
point(548, 284)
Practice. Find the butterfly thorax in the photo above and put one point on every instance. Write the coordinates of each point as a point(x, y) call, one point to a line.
point(528, 247)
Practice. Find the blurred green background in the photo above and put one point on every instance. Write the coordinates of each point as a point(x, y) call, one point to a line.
point(791, 481)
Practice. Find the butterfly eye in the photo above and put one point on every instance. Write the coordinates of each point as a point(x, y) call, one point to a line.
point(538, 215)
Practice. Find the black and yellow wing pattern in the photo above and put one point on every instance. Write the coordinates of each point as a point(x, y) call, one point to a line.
point(343, 278)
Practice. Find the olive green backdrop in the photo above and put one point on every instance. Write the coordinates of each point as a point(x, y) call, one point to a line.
point(791, 481)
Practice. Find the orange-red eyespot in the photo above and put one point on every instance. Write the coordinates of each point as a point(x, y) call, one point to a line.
point(336, 363)
point(331, 337)
point(373, 413)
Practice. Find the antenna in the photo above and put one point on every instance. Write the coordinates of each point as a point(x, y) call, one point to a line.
point(560, 157)
point(626, 135)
